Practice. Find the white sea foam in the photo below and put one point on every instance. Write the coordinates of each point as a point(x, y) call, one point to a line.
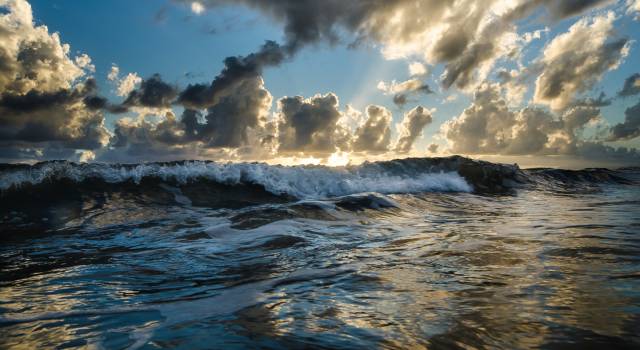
point(304, 182)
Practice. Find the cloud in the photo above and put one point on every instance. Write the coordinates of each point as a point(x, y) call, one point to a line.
point(403, 90)
point(514, 85)
point(630, 128)
point(374, 134)
point(153, 92)
point(238, 115)
point(114, 73)
point(601, 101)
point(235, 70)
point(631, 86)
point(411, 128)
point(417, 69)
point(569, 8)
point(125, 85)
point(197, 7)
point(574, 61)
point(46, 99)
point(633, 6)
point(468, 36)
point(59, 119)
point(311, 125)
point(489, 127)
point(238, 120)
point(141, 139)
point(84, 61)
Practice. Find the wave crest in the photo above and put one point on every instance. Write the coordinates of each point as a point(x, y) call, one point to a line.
point(302, 182)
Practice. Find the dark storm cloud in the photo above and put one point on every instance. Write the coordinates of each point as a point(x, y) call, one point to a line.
point(227, 123)
point(466, 44)
point(631, 86)
point(153, 92)
point(568, 8)
point(230, 112)
point(236, 120)
point(236, 69)
point(67, 118)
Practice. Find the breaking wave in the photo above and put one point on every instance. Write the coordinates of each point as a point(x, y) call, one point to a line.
point(301, 182)
point(259, 182)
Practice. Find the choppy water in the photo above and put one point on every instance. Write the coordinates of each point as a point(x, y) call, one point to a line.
point(322, 259)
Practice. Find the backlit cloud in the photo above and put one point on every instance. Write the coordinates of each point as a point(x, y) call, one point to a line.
point(574, 61)
point(489, 126)
point(410, 129)
point(48, 105)
point(523, 77)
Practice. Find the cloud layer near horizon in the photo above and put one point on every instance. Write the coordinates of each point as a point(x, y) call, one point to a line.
point(50, 106)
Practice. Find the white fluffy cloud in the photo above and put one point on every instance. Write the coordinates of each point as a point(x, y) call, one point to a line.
point(126, 84)
point(417, 69)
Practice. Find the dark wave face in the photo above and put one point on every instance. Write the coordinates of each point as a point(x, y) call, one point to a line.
point(414, 253)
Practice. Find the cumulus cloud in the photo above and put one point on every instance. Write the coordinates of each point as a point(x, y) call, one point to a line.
point(488, 126)
point(311, 125)
point(374, 134)
point(574, 61)
point(631, 86)
point(84, 61)
point(238, 120)
point(230, 112)
point(49, 105)
point(134, 140)
point(46, 100)
point(410, 129)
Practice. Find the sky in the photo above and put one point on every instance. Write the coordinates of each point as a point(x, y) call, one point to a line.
point(537, 82)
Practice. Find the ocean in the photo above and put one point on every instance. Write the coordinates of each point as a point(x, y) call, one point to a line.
point(423, 253)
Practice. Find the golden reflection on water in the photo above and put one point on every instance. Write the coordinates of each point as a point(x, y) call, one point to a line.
point(457, 270)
